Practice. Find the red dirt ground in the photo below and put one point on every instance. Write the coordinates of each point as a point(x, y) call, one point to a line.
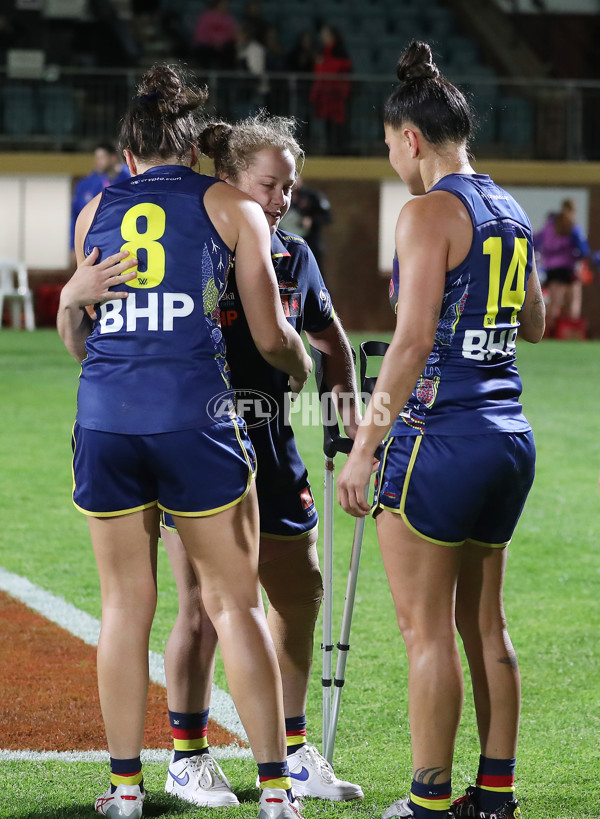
point(49, 699)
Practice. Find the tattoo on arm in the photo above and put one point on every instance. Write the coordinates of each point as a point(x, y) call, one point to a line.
point(428, 776)
point(509, 659)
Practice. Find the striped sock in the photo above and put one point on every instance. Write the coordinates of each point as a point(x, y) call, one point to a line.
point(495, 783)
point(430, 801)
point(295, 732)
point(125, 772)
point(189, 734)
point(275, 775)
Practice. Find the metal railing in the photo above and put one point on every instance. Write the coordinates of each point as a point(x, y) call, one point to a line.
point(528, 119)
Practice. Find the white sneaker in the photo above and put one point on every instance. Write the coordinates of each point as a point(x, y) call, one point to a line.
point(127, 800)
point(312, 775)
point(399, 808)
point(274, 804)
point(200, 780)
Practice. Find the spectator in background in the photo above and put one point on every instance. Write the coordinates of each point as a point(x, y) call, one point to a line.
point(108, 169)
point(278, 95)
point(329, 95)
point(255, 22)
point(563, 248)
point(301, 59)
point(214, 41)
point(309, 212)
point(251, 58)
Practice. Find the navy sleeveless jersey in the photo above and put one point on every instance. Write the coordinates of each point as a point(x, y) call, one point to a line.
point(156, 359)
point(470, 383)
point(307, 306)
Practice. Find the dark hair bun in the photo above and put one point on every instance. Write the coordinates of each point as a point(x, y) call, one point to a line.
point(172, 90)
point(416, 63)
point(214, 137)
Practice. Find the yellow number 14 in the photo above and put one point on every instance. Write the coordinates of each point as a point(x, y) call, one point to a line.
point(513, 290)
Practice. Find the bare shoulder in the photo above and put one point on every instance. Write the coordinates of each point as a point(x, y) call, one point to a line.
point(87, 213)
point(229, 210)
point(83, 225)
point(437, 209)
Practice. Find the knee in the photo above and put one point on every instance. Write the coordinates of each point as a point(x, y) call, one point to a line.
point(293, 581)
point(421, 631)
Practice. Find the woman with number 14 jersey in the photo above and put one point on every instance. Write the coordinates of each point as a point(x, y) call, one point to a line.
point(153, 257)
point(459, 462)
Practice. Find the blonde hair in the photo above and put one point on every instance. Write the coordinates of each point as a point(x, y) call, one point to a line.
point(232, 147)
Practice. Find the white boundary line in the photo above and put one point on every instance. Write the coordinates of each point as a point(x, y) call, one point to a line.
point(87, 628)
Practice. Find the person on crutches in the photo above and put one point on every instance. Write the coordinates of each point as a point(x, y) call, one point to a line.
point(260, 156)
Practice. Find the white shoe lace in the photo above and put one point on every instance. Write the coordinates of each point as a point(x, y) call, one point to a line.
point(210, 772)
point(320, 763)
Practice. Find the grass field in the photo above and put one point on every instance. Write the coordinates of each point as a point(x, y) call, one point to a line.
point(552, 600)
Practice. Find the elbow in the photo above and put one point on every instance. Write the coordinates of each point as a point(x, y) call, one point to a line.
point(269, 346)
point(532, 338)
point(533, 327)
point(414, 352)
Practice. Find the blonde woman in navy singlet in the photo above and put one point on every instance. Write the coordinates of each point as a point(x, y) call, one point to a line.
point(459, 462)
point(154, 254)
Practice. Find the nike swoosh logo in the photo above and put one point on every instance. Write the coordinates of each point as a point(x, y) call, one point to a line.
point(302, 774)
point(181, 780)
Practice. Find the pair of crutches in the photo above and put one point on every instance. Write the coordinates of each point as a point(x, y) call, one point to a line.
point(334, 442)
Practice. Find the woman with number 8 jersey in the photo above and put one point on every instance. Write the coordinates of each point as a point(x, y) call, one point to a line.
point(153, 257)
point(459, 463)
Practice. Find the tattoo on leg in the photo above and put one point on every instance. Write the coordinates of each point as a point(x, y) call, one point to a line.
point(511, 660)
point(428, 776)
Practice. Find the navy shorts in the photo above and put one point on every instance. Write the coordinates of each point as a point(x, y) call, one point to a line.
point(452, 488)
point(192, 472)
point(287, 515)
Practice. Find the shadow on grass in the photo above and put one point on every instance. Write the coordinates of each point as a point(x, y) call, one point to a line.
point(155, 805)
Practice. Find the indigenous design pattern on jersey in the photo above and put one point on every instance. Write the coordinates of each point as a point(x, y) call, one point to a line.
point(213, 285)
point(472, 366)
point(157, 358)
point(307, 306)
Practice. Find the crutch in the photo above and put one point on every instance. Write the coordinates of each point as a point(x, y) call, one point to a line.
point(333, 443)
point(367, 383)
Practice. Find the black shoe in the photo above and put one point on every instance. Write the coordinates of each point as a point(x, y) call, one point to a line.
point(464, 808)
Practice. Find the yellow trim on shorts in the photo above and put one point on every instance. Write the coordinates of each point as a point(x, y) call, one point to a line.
point(488, 545)
point(118, 513)
point(401, 510)
point(208, 512)
point(103, 514)
point(290, 537)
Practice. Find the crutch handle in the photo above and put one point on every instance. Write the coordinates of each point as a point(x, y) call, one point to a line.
point(333, 440)
point(367, 348)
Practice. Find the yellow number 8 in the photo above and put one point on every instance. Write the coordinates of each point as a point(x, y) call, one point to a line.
point(135, 241)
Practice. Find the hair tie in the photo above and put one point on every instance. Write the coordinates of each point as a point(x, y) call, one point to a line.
point(150, 97)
